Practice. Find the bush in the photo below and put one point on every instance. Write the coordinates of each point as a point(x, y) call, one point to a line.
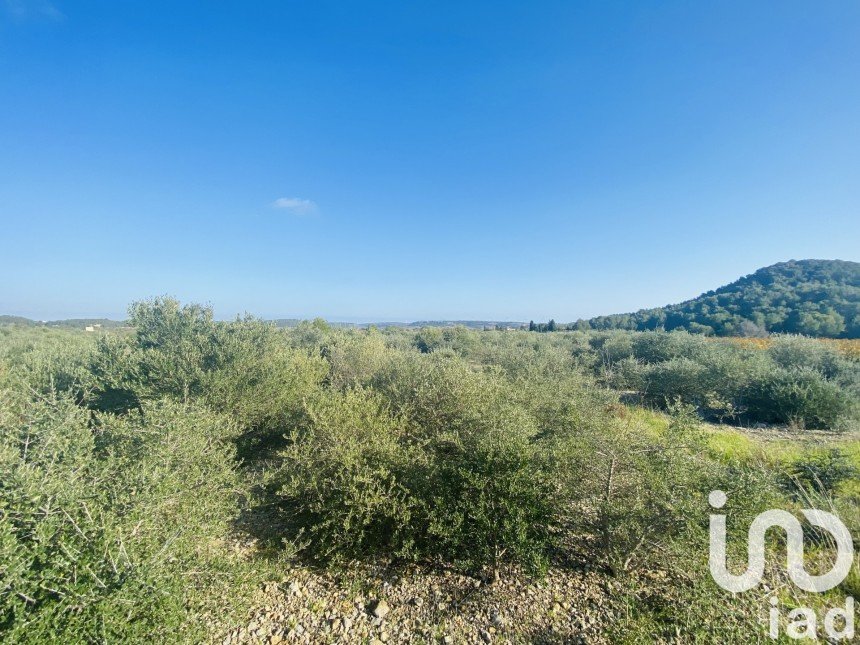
point(639, 492)
point(47, 360)
point(450, 469)
point(799, 396)
point(95, 516)
point(820, 473)
point(356, 357)
point(677, 378)
point(798, 352)
point(796, 380)
point(346, 476)
point(491, 497)
point(246, 368)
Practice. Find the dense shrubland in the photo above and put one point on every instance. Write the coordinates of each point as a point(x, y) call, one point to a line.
point(131, 463)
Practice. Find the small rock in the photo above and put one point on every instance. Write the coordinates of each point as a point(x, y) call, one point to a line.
point(486, 636)
point(380, 609)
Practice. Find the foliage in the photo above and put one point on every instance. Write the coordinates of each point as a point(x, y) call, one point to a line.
point(433, 464)
point(97, 514)
point(343, 477)
point(795, 380)
point(811, 297)
point(822, 472)
point(131, 460)
point(644, 488)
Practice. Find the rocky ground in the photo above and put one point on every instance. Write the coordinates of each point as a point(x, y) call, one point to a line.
point(419, 605)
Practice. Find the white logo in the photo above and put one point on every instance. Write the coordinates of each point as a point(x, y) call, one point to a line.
point(803, 620)
point(794, 543)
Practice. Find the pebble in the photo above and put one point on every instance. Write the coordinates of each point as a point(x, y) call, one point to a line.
point(567, 606)
point(380, 609)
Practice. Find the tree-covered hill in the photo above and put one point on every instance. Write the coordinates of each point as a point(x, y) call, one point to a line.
point(812, 297)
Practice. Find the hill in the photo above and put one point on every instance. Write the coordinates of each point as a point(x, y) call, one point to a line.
point(17, 320)
point(811, 297)
point(470, 324)
point(69, 323)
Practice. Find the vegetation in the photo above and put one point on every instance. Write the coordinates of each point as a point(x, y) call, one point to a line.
point(134, 461)
point(810, 297)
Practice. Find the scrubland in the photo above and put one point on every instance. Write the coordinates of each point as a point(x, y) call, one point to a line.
point(190, 480)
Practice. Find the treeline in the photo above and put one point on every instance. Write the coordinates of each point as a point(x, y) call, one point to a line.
point(809, 297)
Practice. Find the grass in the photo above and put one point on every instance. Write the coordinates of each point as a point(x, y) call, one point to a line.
point(848, 347)
point(772, 447)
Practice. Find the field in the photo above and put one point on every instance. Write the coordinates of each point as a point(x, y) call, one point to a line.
point(200, 481)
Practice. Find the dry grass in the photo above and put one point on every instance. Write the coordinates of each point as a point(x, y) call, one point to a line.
point(848, 347)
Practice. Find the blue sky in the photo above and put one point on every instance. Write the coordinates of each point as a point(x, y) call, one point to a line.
point(415, 160)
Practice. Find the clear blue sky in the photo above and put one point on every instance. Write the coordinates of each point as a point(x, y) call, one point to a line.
point(413, 160)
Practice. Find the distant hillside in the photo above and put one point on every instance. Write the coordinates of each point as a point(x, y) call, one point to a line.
point(418, 324)
point(69, 323)
point(104, 323)
point(812, 297)
point(17, 320)
point(471, 324)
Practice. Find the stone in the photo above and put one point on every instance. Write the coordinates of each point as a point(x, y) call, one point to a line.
point(380, 609)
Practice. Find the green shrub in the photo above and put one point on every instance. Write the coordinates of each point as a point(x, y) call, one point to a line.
point(247, 367)
point(48, 359)
point(800, 396)
point(356, 357)
point(345, 478)
point(96, 516)
point(440, 462)
point(819, 473)
point(638, 492)
point(491, 497)
point(677, 378)
point(799, 352)
point(261, 381)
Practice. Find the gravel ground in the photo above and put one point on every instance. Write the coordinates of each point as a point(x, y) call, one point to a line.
point(414, 605)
